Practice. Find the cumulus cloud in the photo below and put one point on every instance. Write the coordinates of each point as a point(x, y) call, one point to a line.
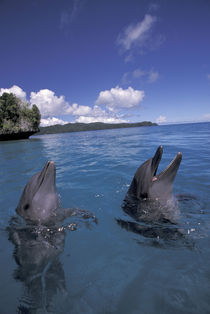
point(117, 97)
point(16, 90)
point(78, 110)
point(86, 114)
point(50, 104)
point(136, 34)
point(161, 119)
point(52, 121)
point(103, 119)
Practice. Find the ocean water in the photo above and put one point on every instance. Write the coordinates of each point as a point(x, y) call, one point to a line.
point(104, 267)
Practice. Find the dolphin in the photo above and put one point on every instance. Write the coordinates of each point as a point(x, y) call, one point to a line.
point(40, 203)
point(39, 241)
point(146, 184)
point(149, 199)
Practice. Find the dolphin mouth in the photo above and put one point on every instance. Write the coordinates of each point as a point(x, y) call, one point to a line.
point(170, 170)
point(47, 171)
point(156, 160)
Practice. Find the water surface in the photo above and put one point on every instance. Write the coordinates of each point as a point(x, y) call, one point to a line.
point(104, 268)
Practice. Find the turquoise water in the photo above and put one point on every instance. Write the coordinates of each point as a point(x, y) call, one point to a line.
point(104, 268)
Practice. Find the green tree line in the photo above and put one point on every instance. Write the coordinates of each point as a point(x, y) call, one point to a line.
point(79, 127)
point(17, 116)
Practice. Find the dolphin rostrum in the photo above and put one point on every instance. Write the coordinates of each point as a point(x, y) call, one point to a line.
point(40, 202)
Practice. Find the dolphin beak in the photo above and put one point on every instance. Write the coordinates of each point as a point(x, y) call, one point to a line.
point(47, 172)
point(156, 160)
point(171, 170)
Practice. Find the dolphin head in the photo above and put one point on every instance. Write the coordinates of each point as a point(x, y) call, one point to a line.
point(147, 184)
point(39, 198)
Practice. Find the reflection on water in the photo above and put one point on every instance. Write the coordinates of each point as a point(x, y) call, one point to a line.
point(162, 232)
point(36, 252)
point(161, 229)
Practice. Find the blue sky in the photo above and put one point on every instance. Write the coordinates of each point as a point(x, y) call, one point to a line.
point(109, 61)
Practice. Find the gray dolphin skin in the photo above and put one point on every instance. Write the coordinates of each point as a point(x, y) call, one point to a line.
point(40, 203)
point(146, 184)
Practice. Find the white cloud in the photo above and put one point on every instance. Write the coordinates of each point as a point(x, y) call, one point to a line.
point(77, 110)
point(49, 104)
point(136, 33)
point(96, 111)
point(16, 90)
point(86, 114)
point(120, 98)
point(103, 119)
point(52, 121)
point(161, 119)
point(208, 76)
point(153, 76)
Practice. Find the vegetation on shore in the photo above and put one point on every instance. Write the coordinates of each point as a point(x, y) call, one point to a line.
point(17, 117)
point(78, 127)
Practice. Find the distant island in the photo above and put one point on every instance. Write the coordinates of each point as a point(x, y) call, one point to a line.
point(78, 127)
point(18, 120)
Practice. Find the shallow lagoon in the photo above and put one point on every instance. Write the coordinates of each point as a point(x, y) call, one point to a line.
point(104, 268)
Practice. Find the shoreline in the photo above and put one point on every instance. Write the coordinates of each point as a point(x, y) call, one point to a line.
point(16, 136)
point(80, 127)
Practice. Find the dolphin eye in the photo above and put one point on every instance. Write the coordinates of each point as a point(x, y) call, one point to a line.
point(144, 195)
point(26, 206)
